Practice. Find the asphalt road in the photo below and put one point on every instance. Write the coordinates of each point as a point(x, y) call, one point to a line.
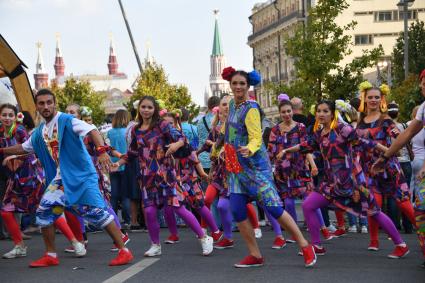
point(347, 260)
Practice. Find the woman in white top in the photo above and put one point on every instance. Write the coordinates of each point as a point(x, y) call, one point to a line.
point(418, 147)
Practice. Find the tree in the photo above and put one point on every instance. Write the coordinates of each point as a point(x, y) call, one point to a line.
point(82, 93)
point(407, 95)
point(153, 81)
point(416, 35)
point(318, 48)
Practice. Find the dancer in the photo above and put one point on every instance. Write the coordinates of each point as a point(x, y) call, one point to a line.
point(24, 186)
point(375, 125)
point(153, 141)
point(343, 185)
point(249, 172)
point(415, 126)
point(291, 173)
point(188, 172)
point(58, 145)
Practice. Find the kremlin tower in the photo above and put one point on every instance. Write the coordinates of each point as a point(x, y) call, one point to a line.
point(112, 62)
point(41, 77)
point(59, 64)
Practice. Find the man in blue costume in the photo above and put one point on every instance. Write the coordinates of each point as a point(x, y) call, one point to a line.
point(71, 177)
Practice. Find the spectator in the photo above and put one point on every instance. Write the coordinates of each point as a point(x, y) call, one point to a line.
point(297, 109)
point(190, 131)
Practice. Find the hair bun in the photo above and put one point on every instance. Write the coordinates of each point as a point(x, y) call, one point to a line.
point(254, 78)
point(282, 97)
point(227, 73)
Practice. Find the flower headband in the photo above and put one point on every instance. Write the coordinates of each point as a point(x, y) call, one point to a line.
point(282, 97)
point(216, 110)
point(85, 111)
point(364, 87)
point(254, 78)
point(177, 112)
point(20, 117)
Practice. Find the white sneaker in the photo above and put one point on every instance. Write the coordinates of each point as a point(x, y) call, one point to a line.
point(352, 229)
point(154, 250)
point(331, 228)
point(17, 251)
point(262, 223)
point(207, 244)
point(258, 233)
point(364, 230)
point(79, 249)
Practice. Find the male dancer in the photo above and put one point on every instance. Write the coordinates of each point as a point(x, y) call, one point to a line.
point(72, 178)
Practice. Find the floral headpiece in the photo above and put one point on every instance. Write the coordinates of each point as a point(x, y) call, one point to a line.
point(20, 117)
point(254, 78)
point(282, 97)
point(177, 113)
point(364, 87)
point(343, 108)
point(216, 110)
point(85, 111)
point(136, 104)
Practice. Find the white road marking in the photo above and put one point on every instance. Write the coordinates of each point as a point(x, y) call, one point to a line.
point(131, 271)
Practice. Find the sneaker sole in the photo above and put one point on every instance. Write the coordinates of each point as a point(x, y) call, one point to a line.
point(398, 257)
point(126, 242)
point(146, 255)
point(312, 263)
point(17, 256)
point(373, 249)
point(290, 241)
point(248, 265)
point(278, 247)
point(171, 242)
point(223, 248)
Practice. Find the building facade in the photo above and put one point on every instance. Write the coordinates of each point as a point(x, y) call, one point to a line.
point(379, 22)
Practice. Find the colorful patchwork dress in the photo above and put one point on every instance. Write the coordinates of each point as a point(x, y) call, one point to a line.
point(344, 183)
point(25, 186)
point(291, 174)
point(391, 182)
point(157, 176)
point(252, 175)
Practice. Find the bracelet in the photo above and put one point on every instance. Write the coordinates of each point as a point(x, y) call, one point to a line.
point(102, 149)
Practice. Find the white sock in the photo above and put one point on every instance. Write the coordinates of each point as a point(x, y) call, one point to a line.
point(55, 255)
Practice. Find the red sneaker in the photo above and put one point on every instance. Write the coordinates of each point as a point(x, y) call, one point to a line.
point(339, 232)
point(399, 252)
point(291, 240)
point(250, 261)
point(45, 261)
point(224, 244)
point(279, 243)
point(124, 256)
point(125, 240)
point(317, 250)
point(373, 245)
point(172, 239)
point(326, 234)
point(217, 236)
point(309, 256)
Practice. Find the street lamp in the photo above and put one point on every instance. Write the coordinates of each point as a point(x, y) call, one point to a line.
point(382, 65)
point(403, 6)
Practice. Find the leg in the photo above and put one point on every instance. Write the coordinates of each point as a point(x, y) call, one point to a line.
point(226, 216)
point(273, 221)
point(290, 208)
point(190, 220)
point(252, 215)
point(373, 225)
point(74, 224)
point(170, 219)
point(152, 224)
point(63, 226)
point(12, 227)
point(116, 219)
point(310, 205)
point(206, 215)
point(134, 209)
point(385, 222)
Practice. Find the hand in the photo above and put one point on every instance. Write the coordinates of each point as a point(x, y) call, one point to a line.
point(421, 174)
point(172, 148)
point(281, 154)
point(204, 176)
point(114, 167)
point(314, 171)
point(378, 166)
point(7, 159)
point(105, 161)
point(244, 151)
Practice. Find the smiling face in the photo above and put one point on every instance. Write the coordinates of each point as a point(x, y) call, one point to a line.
point(324, 114)
point(239, 87)
point(7, 117)
point(286, 113)
point(146, 109)
point(373, 99)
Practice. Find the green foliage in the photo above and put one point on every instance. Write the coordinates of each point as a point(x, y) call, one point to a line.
point(407, 95)
point(416, 35)
point(82, 93)
point(153, 81)
point(319, 47)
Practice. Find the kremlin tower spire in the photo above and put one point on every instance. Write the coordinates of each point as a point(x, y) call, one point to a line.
point(218, 63)
point(59, 64)
point(41, 78)
point(112, 63)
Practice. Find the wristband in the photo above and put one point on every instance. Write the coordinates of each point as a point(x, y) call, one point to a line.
point(102, 149)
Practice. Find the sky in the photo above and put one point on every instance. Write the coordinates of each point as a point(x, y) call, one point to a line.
point(180, 33)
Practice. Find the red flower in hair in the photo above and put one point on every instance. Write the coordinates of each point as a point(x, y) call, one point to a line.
point(227, 73)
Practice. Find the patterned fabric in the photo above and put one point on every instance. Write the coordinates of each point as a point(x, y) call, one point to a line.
point(291, 174)
point(420, 214)
point(52, 206)
point(256, 178)
point(391, 182)
point(203, 135)
point(189, 181)
point(344, 183)
point(25, 186)
point(104, 181)
point(157, 175)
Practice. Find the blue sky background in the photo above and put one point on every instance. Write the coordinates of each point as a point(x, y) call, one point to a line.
point(180, 32)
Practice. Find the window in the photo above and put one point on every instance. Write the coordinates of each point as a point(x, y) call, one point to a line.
point(411, 15)
point(363, 39)
point(383, 16)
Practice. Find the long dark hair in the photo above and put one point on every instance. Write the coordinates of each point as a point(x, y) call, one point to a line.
point(241, 73)
point(155, 117)
point(9, 106)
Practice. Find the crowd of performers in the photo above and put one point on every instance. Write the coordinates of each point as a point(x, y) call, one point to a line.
point(60, 172)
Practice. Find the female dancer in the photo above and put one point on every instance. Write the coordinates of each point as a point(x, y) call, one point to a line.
point(377, 126)
point(344, 185)
point(249, 172)
point(291, 174)
point(188, 171)
point(24, 186)
point(153, 141)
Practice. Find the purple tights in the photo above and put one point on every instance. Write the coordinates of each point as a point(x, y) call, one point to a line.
point(290, 208)
point(223, 207)
point(153, 225)
point(316, 200)
point(116, 219)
